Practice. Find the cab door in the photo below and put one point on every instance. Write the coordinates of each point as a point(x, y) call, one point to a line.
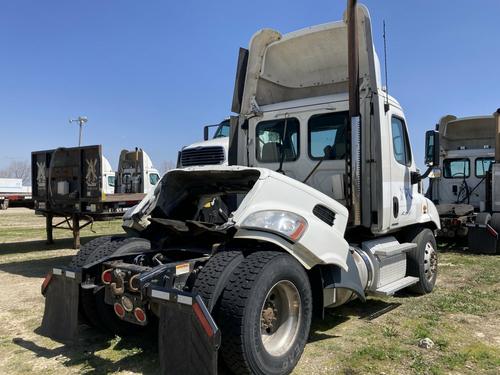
point(402, 191)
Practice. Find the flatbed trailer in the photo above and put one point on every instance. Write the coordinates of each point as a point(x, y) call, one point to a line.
point(68, 184)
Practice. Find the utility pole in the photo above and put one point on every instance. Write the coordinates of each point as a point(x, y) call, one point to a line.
point(81, 121)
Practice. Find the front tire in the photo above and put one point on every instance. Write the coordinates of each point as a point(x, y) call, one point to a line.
point(422, 261)
point(265, 314)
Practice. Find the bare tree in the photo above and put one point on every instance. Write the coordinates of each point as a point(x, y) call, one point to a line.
point(18, 169)
point(165, 166)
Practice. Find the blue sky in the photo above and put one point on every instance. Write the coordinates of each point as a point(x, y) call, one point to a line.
point(151, 73)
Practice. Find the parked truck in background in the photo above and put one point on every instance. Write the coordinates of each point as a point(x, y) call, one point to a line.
point(319, 205)
point(465, 183)
point(135, 173)
point(211, 151)
point(12, 190)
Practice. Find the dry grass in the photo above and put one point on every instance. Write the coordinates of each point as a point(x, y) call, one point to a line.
point(461, 316)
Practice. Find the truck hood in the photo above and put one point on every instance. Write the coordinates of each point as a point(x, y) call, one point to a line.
point(263, 190)
point(222, 141)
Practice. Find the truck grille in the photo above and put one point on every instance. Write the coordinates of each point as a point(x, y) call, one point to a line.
point(202, 156)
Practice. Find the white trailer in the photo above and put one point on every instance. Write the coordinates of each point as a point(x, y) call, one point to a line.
point(320, 204)
point(13, 190)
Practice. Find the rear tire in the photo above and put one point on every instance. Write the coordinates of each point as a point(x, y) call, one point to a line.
point(422, 261)
point(213, 277)
point(93, 307)
point(265, 314)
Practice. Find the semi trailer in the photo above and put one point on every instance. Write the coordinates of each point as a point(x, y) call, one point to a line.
point(465, 180)
point(13, 191)
point(319, 205)
point(79, 185)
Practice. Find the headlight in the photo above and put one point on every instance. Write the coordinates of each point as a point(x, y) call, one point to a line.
point(285, 223)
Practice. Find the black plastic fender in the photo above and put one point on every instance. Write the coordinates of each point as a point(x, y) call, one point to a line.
point(60, 318)
point(188, 338)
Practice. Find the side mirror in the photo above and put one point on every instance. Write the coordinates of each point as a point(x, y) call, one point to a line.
point(432, 148)
point(415, 177)
point(205, 133)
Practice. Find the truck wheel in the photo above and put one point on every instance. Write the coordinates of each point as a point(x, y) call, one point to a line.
point(214, 276)
point(423, 261)
point(4, 205)
point(80, 258)
point(265, 314)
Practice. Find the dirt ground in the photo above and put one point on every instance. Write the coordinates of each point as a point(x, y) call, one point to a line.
point(461, 317)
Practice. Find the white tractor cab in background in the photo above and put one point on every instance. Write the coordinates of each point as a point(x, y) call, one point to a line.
point(319, 205)
point(108, 177)
point(212, 151)
point(136, 173)
point(465, 183)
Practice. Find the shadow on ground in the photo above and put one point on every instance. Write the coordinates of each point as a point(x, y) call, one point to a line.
point(138, 354)
point(23, 247)
point(34, 267)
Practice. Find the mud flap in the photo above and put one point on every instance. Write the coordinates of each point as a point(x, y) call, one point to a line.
point(336, 277)
point(188, 338)
point(60, 318)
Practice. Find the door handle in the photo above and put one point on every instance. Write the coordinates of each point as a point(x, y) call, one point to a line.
point(395, 207)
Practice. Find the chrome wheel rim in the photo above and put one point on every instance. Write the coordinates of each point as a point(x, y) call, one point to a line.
point(430, 261)
point(280, 317)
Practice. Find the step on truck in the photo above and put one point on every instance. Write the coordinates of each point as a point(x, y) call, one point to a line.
point(319, 205)
point(465, 180)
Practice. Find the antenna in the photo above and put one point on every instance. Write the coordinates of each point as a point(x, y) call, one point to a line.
point(81, 121)
point(386, 104)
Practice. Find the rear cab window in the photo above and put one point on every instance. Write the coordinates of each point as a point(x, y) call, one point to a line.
point(483, 165)
point(271, 140)
point(327, 136)
point(456, 168)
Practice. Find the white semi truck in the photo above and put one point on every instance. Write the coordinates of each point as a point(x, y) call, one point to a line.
point(211, 151)
point(320, 204)
point(465, 180)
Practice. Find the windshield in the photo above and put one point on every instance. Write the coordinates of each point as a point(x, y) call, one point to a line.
point(222, 130)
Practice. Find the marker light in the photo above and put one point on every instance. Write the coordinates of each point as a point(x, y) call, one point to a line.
point(107, 276)
point(285, 223)
point(119, 310)
point(140, 315)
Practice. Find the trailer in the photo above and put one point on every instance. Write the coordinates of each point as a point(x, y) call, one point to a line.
point(77, 186)
point(320, 204)
point(13, 191)
point(465, 180)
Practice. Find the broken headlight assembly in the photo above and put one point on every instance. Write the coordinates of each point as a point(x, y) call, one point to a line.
point(284, 223)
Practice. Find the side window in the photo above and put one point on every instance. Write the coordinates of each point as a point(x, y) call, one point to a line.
point(456, 168)
point(327, 136)
point(111, 181)
point(483, 165)
point(400, 142)
point(153, 178)
point(271, 142)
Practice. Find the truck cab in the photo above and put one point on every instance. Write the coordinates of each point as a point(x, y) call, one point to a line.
point(136, 173)
point(210, 151)
point(294, 119)
point(108, 177)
